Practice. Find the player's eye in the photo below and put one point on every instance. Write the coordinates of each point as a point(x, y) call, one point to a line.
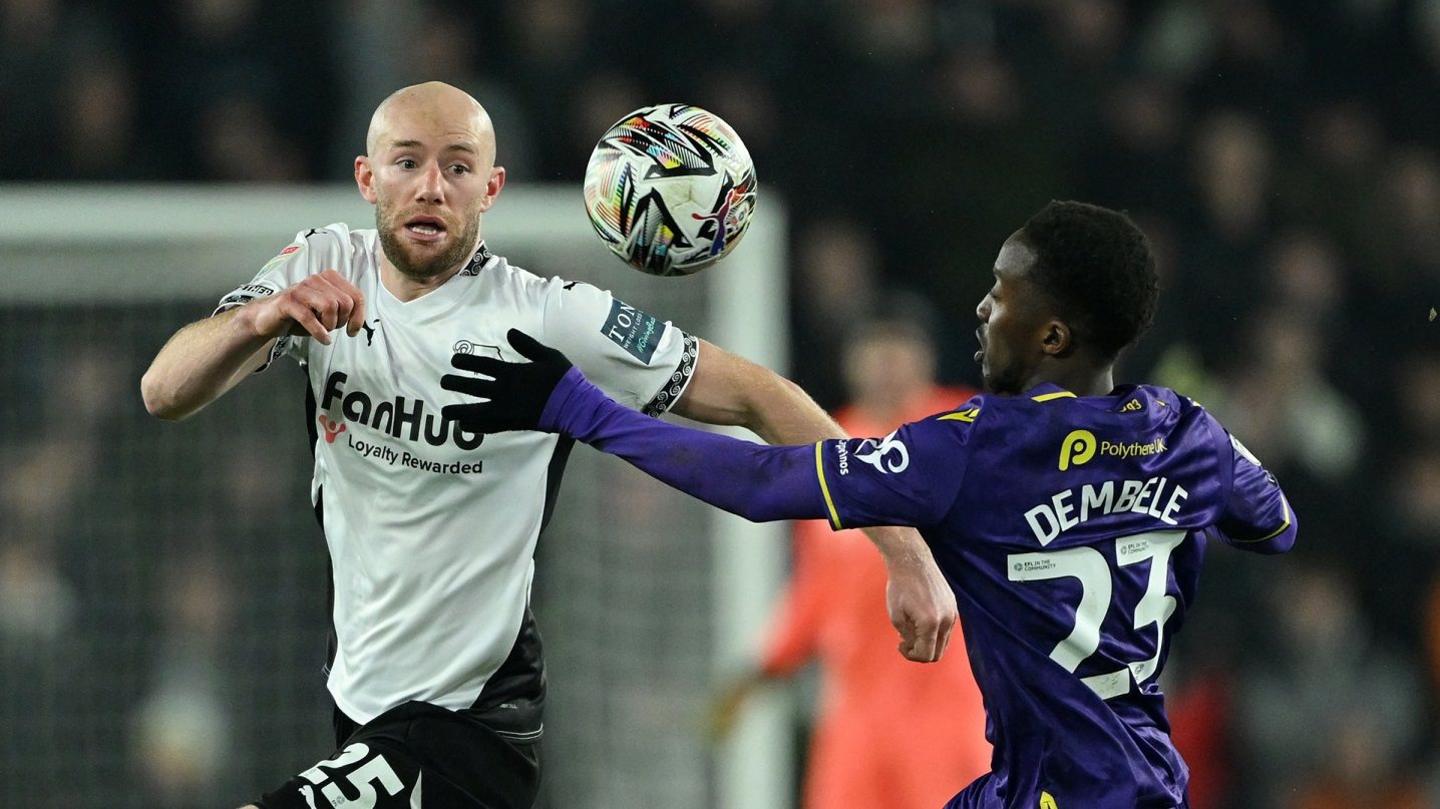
point(406, 163)
point(460, 168)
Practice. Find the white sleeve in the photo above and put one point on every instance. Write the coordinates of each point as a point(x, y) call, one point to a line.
point(312, 251)
point(633, 356)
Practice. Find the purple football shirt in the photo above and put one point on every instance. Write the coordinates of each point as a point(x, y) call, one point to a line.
point(1071, 529)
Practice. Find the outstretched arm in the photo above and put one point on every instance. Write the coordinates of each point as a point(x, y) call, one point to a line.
point(756, 481)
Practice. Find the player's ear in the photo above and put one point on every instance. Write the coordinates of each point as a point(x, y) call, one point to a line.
point(365, 179)
point(1058, 339)
point(493, 186)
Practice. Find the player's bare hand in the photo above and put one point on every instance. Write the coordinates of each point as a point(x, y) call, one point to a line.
point(920, 602)
point(315, 306)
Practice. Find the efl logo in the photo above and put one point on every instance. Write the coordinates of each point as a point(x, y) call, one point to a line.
point(1077, 448)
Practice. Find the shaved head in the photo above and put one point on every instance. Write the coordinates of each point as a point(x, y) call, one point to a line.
point(429, 170)
point(436, 109)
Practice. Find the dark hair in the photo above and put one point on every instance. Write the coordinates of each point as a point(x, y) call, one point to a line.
point(1097, 267)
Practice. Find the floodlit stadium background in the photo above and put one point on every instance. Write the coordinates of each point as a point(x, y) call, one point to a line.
point(162, 587)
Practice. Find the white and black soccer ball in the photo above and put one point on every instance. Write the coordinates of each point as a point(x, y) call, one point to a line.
point(670, 188)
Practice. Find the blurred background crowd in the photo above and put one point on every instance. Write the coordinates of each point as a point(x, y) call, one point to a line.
point(1283, 156)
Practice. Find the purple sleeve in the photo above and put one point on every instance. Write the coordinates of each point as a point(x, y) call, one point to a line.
point(755, 481)
point(910, 477)
point(1256, 516)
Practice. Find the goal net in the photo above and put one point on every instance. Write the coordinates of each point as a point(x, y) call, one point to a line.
point(162, 586)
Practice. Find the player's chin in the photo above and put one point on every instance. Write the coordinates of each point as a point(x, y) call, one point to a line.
point(997, 380)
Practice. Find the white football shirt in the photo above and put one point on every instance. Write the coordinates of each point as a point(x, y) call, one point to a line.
point(432, 529)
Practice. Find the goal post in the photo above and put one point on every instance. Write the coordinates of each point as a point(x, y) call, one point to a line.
point(645, 603)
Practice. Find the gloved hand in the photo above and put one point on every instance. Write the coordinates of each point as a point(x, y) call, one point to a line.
point(518, 391)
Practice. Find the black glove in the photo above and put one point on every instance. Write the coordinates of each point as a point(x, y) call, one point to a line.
point(517, 391)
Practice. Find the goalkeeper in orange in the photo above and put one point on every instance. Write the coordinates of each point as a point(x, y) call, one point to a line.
point(889, 734)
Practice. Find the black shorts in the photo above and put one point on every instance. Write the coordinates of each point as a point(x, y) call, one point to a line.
point(419, 756)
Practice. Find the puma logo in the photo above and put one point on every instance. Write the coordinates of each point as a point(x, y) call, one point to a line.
point(333, 429)
point(370, 330)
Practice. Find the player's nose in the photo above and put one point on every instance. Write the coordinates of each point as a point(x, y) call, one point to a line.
point(432, 186)
point(982, 309)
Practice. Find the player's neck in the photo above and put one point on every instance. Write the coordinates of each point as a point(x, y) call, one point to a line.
point(1078, 379)
point(407, 288)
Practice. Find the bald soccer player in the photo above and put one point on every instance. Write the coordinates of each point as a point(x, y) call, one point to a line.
point(435, 665)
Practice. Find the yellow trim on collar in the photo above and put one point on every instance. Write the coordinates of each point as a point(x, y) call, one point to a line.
point(966, 415)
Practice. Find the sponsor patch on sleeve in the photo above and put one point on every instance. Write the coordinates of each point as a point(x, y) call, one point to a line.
point(245, 294)
point(636, 331)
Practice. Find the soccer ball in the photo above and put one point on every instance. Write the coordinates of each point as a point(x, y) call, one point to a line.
point(670, 188)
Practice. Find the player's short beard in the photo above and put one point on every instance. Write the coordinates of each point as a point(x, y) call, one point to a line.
point(387, 224)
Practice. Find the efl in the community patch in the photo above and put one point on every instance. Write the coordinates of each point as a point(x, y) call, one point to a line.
point(633, 330)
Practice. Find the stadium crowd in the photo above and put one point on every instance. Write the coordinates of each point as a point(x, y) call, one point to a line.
point(1284, 157)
